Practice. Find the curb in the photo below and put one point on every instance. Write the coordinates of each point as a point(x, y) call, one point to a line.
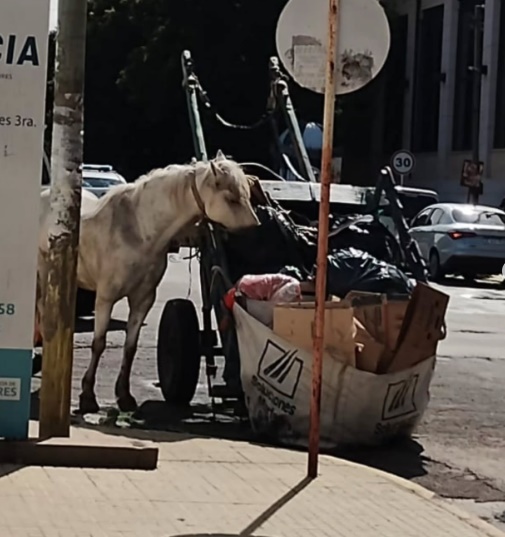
point(428, 495)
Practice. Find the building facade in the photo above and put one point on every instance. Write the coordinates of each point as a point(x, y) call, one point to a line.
point(433, 43)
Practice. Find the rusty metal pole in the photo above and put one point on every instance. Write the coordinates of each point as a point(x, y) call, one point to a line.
point(322, 240)
point(59, 310)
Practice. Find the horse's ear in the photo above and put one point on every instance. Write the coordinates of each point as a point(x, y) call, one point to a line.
point(220, 155)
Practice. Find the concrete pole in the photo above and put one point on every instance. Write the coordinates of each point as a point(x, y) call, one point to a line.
point(67, 147)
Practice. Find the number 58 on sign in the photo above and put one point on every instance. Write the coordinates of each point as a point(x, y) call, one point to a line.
point(7, 308)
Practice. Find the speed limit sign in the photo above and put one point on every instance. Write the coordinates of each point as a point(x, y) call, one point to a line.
point(403, 162)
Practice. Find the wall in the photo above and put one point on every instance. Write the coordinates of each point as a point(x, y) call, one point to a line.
point(441, 169)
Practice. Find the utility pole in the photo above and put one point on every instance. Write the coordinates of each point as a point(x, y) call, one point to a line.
point(478, 70)
point(67, 148)
point(330, 87)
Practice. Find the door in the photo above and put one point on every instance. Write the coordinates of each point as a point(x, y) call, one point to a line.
point(430, 234)
point(420, 231)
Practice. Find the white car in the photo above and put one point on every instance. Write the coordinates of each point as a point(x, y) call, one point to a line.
point(96, 178)
point(459, 238)
point(100, 178)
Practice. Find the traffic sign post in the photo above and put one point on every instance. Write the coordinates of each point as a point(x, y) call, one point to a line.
point(332, 47)
point(24, 28)
point(403, 162)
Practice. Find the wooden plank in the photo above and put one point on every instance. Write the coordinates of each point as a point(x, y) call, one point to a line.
point(345, 194)
point(288, 190)
point(72, 454)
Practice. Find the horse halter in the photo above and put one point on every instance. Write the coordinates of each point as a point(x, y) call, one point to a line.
point(196, 195)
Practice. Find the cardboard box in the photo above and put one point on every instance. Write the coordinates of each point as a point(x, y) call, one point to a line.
point(294, 323)
point(422, 328)
point(369, 349)
point(368, 330)
point(382, 317)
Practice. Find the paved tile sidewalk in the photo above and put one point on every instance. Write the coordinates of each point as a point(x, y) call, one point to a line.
point(209, 486)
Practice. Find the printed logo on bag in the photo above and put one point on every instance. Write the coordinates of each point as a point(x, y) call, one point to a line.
point(400, 399)
point(280, 369)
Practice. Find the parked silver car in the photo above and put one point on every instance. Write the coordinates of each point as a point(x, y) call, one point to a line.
point(456, 238)
point(100, 178)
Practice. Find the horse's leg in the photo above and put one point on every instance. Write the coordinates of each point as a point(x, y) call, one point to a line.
point(139, 308)
point(87, 399)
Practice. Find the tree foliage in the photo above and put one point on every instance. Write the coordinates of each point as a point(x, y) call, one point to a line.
point(135, 108)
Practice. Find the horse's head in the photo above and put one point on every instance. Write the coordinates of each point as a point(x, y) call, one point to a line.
point(225, 193)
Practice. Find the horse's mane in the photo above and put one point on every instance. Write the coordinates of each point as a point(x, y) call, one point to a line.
point(178, 177)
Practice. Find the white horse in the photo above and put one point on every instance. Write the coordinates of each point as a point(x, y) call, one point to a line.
point(124, 241)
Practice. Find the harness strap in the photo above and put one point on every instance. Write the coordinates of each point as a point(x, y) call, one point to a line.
point(197, 196)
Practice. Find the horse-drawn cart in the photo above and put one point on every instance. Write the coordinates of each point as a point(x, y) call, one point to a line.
point(225, 257)
point(181, 342)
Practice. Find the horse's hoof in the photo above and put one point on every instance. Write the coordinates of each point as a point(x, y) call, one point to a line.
point(127, 403)
point(88, 404)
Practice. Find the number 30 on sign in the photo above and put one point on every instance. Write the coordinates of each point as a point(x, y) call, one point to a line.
point(403, 162)
point(7, 308)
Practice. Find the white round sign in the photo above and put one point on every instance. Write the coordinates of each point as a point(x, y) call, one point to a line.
point(363, 42)
point(403, 162)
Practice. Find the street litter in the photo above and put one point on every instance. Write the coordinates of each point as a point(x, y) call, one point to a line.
point(263, 292)
point(355, 270)
point(379, 357)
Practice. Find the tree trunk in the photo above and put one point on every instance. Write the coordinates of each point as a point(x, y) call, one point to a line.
point(59, 310)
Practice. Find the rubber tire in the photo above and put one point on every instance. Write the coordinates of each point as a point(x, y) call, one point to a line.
point(434, 268)
point(179, 355)
point(84, 302)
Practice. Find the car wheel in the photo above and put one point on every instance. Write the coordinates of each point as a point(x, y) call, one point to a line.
point(435, 270)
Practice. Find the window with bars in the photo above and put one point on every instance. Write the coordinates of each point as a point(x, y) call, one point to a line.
point(396, 83)
point(427, 81)
point(463, 89)
point(499, 131)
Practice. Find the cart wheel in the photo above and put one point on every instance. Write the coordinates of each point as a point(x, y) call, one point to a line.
point(179, 353)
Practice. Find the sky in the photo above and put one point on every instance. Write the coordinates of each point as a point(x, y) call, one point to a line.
point(54, 14)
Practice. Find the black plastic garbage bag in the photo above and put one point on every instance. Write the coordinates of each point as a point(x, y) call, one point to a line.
point(369, 235)
point(267, 249)
point(354, 270)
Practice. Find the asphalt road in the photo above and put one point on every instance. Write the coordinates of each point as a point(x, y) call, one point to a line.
point(458, 451)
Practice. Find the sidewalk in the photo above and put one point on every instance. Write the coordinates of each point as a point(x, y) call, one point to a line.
point(210, 486)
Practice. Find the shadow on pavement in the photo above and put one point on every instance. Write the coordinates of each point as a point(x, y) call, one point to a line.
point(155, 420)
point(402, 458)
point(268, 513)
point(279, 504)
point(7, 469)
